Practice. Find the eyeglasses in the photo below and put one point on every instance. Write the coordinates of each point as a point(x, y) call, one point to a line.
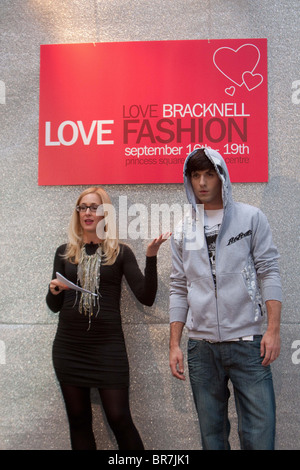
point(84, 208)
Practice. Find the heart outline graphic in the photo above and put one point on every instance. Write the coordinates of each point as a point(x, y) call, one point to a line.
point(249, 79)
point(236, 52)
point(230, 91)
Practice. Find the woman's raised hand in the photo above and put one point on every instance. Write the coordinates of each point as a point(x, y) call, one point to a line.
point(154, 245)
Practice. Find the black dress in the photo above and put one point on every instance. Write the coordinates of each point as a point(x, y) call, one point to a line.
point(97, 357)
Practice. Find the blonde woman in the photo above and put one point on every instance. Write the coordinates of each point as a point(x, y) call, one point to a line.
point(89, 348)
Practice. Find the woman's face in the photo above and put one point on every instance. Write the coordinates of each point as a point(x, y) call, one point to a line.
point(87, 213)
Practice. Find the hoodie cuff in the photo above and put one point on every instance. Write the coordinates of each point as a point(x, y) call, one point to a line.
point(272, 293)
point(178, 314)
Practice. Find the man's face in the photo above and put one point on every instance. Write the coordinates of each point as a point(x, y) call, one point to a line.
point(207, 188)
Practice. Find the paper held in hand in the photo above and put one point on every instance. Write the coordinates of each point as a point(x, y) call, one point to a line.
point(71, 285)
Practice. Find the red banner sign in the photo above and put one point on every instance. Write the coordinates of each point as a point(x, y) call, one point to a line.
point(123, 113)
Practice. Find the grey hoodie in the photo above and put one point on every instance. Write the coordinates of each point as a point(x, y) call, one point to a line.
point(247, 273)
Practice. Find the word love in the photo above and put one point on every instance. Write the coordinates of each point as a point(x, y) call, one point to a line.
point(137, 110)
point(68, 133)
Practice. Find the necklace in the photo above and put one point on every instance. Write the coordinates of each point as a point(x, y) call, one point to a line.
point(88, 275)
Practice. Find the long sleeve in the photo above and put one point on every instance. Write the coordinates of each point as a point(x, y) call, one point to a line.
point(55, 302)
point(178, 286)
point(144, 286)
point(266, 257)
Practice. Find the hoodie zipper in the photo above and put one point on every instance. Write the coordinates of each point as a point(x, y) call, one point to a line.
point(216, 289)
point(215, 279)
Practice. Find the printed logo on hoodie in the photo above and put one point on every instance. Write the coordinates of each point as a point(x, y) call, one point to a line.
point(239, 237)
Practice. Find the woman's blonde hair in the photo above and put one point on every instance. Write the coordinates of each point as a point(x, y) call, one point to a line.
point(110, 243)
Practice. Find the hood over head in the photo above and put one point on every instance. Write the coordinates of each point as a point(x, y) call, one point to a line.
point(222, 171)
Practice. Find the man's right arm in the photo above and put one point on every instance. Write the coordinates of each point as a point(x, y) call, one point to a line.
point(176, 355)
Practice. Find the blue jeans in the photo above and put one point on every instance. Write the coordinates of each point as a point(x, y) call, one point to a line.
point(211, 366)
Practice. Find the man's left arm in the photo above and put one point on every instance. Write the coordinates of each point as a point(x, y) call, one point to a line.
point(265, 257)
point(270, 343)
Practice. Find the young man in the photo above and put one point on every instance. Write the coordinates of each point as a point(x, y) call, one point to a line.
point(219, 290)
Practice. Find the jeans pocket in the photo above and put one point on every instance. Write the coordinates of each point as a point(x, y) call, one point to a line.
point(192, 346)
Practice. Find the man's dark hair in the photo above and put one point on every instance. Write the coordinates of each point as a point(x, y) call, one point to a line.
point(199, 162)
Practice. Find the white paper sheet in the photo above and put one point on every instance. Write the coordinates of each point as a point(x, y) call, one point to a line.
point(70, 284)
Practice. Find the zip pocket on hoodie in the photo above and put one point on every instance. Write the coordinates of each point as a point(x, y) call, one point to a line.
point(233, 297)
point(201, 300)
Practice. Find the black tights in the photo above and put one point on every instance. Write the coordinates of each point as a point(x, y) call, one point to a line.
point(116, 406)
